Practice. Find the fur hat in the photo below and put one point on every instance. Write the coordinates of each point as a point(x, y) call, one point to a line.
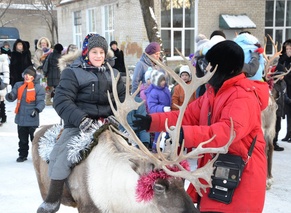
point(147, 74)
point(59, 48)
point(152, 48)
point(229, 57)
point(30, 70)
point(157, 77)
point(184, 68)
point(91, 41)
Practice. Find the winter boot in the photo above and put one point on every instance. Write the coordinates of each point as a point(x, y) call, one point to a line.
point(3, 116)
point(277, 147)
point(53, 200)
point(287, 137)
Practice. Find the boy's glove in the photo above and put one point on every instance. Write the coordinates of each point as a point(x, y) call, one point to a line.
point(85, 124)
point(142, 122)
point(34, 113)
point(10, 96)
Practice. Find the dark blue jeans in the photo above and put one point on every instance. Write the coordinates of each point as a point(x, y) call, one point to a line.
point(24, 132)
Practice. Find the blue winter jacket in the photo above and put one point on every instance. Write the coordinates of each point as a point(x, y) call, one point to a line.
point(82, 92)
point(158, 98)
point(23, 117)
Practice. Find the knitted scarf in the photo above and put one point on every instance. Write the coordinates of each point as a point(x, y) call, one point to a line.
point(30, 94)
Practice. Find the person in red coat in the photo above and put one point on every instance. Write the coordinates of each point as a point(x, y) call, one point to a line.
point(229, 95)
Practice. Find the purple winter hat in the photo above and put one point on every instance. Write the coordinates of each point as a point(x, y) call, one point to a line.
point(152, 48)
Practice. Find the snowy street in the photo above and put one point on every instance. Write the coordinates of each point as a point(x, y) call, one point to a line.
point(19, 192)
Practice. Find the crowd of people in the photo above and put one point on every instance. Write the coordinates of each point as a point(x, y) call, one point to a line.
point(76, 82)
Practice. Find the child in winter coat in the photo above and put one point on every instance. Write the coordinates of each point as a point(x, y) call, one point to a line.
point(179, 94)
point(158, 97)
point(4, 81)
point(30, 102)
point(5, 49)
point(80, 100)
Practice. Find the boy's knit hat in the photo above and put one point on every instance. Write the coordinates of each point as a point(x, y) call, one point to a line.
point(30, 70)
point(91, 41)
point(152, 48)
point(184, 68)
point(157, 77)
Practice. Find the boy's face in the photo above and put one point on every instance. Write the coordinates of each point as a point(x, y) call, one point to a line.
point(6, 46)
point(96, 56)
point(185, 77)
point(28, 78)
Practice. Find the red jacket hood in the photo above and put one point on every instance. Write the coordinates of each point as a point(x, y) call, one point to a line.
point(260, 88)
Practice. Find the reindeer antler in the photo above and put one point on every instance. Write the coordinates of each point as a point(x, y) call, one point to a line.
point(162, 160)
point(270, 60)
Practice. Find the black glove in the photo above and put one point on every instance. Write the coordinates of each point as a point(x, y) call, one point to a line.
point(85, 124)
point(34, 113)
point(142, 122)
point(10, 96)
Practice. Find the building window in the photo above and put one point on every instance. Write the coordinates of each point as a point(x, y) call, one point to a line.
point(108, 22)
point(78, 29)
point(92, 21)
point(277, 22)
point(177, 26)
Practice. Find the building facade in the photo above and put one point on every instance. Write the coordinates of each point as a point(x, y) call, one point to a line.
point(28, 18)
point(179, 21)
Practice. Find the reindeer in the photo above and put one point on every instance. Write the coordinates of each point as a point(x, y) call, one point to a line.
point(269, 114)
point(115, 176)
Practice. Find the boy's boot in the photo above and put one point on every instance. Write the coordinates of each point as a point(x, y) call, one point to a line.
point(2, 113)
point(53, 200)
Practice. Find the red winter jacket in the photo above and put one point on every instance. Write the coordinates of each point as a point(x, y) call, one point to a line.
point(242, 100)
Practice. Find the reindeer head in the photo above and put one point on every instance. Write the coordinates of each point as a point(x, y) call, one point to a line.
point(271, 75)
point(169, 164)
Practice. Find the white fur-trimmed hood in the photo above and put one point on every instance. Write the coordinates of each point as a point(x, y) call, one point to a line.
point(67, 59)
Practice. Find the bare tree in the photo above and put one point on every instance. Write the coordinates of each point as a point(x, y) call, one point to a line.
point(6, 4)
point(151, 25)
point(48, 12)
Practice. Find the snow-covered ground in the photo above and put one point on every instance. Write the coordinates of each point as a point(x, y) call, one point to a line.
point(19, 191)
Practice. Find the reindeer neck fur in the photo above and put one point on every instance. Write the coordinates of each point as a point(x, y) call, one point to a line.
point(110, 174)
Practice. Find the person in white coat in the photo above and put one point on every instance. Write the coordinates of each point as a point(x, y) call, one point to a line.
point(4, 82)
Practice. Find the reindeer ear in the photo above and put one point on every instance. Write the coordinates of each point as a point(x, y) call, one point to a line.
point(141, 166)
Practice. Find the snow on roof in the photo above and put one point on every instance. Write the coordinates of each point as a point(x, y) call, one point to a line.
point(236, 21)
point(65, 1)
